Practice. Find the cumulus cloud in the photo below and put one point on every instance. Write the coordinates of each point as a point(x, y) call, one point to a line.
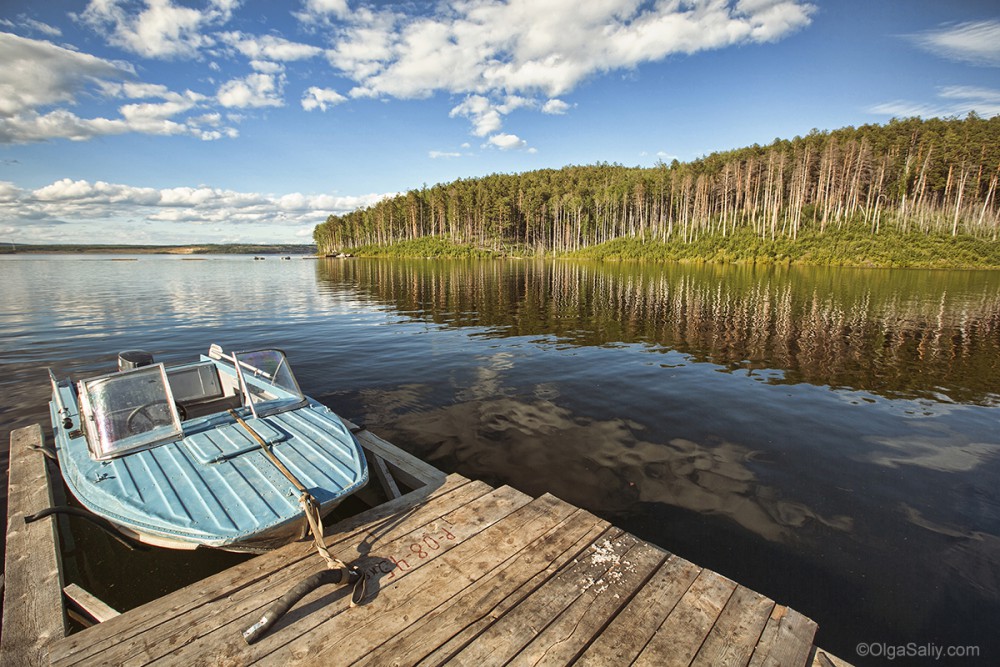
point(269, 47)
point(161, 30)
point(492, 51)
point(555, 107)
point(68, 202)
point(320, 98)
point(506, 142)
point(38, 75)
point(974, 42)
point(485, 115)
point(254, 90)
point(321, 11)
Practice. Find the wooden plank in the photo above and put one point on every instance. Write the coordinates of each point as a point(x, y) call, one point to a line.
point(410, 599)
point(96, 608)
point(495, 597)
point(677, 641)
point(382, 474)
point(735, 634)
point(409, 469)
point(33, 615)
point(223, 641)
point(826, 659)
point(787, 639)
point(573, 630)
point(510, 634)
point(369, 526)
point(237, 599)
point(632, 629)
point(455, 614)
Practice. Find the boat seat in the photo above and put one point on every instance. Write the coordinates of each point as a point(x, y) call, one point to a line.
point(198, 390)
point(205, 408)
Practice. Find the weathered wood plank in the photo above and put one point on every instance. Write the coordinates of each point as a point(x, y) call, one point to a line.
point(410, 470)
point(96, 608)
point(33, 615)
point(510, 634)
point(632, 629)
point(826, 659)
point(191, 625)
point(371, 525)
point(377, 465)
point(436, 627)
point(734, 635)
point(677, 641)
point(787, 639)
point(410, 599)
point(495, 597)
point(576, 626)
point(225, 642)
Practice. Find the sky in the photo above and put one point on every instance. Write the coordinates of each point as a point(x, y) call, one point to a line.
point(223, 121)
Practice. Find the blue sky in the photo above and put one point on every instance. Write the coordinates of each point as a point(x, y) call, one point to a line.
point(186, 121)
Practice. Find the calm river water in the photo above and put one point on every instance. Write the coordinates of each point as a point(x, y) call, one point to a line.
point(828, 437)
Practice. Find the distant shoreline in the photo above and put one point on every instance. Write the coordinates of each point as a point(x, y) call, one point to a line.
point(849, 247)
point(194, 249)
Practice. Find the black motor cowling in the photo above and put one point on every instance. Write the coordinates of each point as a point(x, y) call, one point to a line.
point(130, 359)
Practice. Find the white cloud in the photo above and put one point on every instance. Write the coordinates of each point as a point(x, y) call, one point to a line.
point(38, 75)
point(951, 101)
point(267, 66)
point(320, 98)
point(161, 30)
point(493, 52)
point(555, 107)
point(269, 47)
point(320, 11)
point(253, 90)
point(482, 112)
point(434, 155)
point(82, 204)
point(506, 142)
point(975, 42)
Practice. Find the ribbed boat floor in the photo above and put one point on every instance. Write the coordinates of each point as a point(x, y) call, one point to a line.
point(469, 576)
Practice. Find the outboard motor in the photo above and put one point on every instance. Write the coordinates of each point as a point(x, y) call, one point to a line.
point(130, 359)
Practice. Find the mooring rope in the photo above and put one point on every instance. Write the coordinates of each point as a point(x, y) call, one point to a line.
point(311, 509)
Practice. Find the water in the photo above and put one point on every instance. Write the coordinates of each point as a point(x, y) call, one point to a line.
point(827, 437)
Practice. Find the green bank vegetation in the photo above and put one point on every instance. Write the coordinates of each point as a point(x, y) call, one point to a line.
point(908, 193)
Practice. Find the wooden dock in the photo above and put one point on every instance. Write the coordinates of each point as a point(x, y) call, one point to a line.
point(460, 573)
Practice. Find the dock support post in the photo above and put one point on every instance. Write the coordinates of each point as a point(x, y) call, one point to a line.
point(33, 614)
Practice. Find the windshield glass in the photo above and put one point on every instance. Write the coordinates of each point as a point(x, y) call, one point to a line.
point(268, 379)
point(129, 410)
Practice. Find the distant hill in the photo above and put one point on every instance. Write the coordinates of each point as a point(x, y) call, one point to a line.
point(934, 177)
point(208, 248)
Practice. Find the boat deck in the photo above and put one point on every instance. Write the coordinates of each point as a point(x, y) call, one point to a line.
point(462, 573)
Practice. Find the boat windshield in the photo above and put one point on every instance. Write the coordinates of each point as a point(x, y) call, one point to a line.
point(268, 381)
point(129, 410)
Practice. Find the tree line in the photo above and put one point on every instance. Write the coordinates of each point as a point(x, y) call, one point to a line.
point(930, 176)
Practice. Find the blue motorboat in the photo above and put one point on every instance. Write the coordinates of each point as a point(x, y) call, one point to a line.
point(219, 452)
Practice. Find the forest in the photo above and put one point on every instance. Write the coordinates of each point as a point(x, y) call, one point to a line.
point(935, 177)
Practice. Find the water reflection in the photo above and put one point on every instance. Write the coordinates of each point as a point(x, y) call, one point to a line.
point(602, 464)
point(827, 436)
point(931, 334)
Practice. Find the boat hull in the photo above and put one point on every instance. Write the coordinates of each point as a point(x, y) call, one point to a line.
point(215, 486)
